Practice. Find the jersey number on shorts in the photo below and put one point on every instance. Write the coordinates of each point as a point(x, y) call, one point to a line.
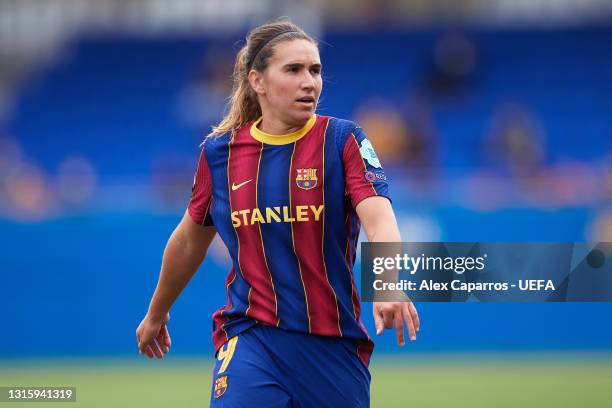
point(226, 352)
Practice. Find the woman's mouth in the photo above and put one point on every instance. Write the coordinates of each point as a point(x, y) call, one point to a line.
point(306, 101)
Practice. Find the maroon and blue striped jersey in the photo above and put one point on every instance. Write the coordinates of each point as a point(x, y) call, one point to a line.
point(285, 208)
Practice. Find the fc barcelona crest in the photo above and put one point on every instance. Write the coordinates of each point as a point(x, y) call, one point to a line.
point(220, 386)
point(306, 178)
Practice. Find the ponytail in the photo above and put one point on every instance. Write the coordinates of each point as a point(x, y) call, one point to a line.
point(243, 105)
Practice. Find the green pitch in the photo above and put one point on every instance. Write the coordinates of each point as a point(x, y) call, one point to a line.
point(475, 380)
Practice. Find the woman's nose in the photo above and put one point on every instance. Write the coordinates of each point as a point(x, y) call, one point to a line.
point(308, 82)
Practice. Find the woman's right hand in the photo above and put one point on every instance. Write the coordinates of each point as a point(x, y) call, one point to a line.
point(153, 337)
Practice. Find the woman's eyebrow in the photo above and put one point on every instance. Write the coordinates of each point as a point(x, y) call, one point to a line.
point(300, 65)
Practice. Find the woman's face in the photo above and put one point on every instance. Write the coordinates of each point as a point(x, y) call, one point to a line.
point(290, 86)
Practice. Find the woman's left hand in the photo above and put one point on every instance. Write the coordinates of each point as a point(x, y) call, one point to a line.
point(153, 337)
point(386, 314)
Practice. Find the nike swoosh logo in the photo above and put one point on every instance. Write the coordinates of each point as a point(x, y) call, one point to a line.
point(237, 186)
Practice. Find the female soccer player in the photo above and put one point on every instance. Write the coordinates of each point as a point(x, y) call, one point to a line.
point(287, 191)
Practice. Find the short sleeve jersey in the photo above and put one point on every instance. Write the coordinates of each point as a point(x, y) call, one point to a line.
point(285, 208)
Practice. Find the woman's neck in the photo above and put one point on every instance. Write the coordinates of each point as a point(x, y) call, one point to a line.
point(277, 127)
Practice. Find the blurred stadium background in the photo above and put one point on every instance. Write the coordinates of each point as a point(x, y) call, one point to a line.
point(493, 118)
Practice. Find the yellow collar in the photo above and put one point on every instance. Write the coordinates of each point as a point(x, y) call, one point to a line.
point(267, 138)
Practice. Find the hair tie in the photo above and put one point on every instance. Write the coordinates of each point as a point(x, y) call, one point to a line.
point(262, 46)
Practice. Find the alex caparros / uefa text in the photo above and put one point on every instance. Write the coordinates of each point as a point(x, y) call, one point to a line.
point(458, 265)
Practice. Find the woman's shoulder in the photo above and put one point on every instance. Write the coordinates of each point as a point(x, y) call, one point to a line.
point(342, 125)
point(221, 140)
point(214, 141)
point(340, 129)
point(212, 146)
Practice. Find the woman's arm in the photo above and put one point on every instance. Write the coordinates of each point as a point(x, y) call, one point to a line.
point(183, 255)
point(380, 225)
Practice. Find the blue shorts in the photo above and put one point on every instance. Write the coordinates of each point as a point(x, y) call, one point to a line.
point(269, 367)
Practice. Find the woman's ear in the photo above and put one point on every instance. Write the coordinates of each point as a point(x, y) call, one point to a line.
point(256, 81)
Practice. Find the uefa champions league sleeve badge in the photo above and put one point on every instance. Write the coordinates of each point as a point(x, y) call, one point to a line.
point(368, 153)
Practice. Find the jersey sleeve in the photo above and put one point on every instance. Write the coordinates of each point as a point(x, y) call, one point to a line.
point(201, 193)
point(364, 175)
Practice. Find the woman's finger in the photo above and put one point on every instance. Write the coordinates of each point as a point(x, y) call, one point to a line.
point(388, 318)
point(166, 334)
point(149, 351)
point(378, 320)
point(409, 321)
point(156, 349)
point(142, 347)
point(399, 327)
point(161, 342)
point(415, 316)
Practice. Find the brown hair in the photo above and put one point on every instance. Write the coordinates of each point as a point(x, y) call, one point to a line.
point(243, 106)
